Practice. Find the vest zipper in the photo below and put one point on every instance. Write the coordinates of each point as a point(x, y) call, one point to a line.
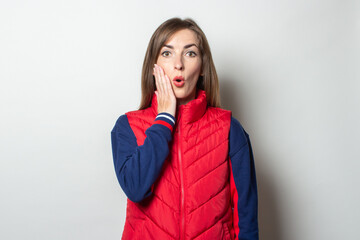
point(182, 208)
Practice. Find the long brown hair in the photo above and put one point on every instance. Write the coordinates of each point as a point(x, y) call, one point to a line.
point(208, 82)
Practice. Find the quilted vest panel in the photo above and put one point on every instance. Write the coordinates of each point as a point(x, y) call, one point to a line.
point(191, 196)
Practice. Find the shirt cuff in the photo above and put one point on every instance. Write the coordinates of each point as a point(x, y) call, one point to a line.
point(165, 119)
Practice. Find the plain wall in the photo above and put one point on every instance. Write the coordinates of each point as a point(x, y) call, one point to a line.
point(289, 71)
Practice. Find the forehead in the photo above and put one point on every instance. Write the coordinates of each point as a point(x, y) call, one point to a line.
point(182, 37)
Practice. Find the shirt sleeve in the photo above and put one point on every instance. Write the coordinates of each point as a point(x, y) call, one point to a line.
point(244, 198)
point(137, 167)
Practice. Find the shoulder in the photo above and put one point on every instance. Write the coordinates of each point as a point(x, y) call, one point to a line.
point(217, 110)
point(238, 137)
point(121, 123)
point(123, 132)
point(218, 113)
point(140, 118)
point(140, 113)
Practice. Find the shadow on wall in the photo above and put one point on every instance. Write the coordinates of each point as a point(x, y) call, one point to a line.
point(269, 210)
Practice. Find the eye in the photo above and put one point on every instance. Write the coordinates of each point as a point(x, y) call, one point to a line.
point(165, 53)
point(192, 54)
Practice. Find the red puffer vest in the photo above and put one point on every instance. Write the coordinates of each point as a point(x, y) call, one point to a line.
point(191, 196)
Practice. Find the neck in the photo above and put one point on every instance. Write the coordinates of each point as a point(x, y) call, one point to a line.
point(184, 101)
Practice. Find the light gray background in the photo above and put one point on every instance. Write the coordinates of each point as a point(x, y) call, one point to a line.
point(289, 71)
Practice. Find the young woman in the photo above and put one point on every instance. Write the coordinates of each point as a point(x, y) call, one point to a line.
point(185, 164)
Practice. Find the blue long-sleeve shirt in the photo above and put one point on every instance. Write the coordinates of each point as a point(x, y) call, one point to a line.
point(137, 167)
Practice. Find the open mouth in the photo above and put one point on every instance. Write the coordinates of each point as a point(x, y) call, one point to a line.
point(178, 78)
point(178, 81)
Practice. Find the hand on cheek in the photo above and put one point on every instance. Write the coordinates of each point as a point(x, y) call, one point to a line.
point(165, 95)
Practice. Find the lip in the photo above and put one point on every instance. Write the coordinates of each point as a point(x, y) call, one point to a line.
point(178, 77)
point(180, 83)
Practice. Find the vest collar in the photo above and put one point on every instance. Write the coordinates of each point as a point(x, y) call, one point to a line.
point(189, 112)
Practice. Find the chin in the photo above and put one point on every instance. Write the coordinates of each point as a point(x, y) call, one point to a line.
point(181, 95)
point(182, 98)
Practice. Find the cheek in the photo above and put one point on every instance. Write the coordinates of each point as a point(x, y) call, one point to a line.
point(195, 68)
point(165, 66)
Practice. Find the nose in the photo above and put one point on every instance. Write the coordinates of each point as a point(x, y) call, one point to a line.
point(179, 63)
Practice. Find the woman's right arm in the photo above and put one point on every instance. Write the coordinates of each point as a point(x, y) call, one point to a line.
point(137, 167)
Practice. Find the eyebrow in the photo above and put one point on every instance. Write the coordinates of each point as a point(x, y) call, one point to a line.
point(186, 46)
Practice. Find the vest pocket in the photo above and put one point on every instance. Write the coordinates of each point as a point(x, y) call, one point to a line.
point(227, 235)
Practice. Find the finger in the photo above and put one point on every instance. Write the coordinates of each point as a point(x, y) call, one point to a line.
point(170, 88)
point(165, 81)
point(156, 79)
point(160, 82)
point(167, 84)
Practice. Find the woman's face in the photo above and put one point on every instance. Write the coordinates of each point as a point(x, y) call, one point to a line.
point(180, 57)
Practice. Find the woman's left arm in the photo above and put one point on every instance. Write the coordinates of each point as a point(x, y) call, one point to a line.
point(243, 184)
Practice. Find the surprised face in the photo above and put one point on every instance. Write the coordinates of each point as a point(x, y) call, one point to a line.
point(181, 61)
